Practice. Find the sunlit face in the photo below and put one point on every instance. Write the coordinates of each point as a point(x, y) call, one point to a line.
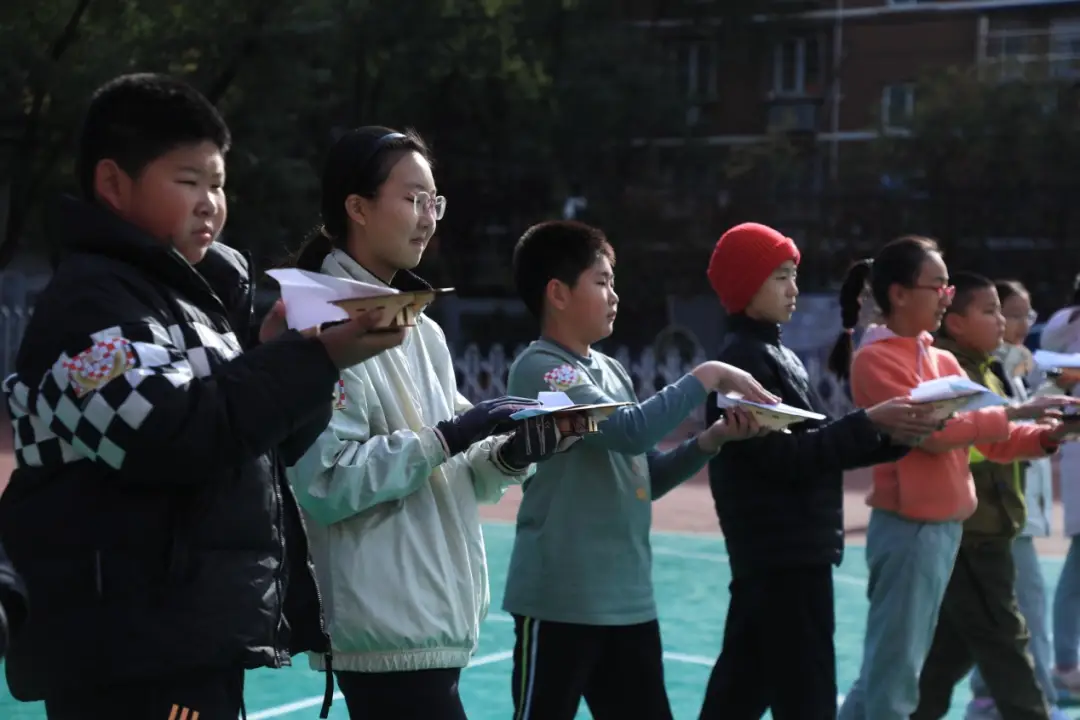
point(923, 304)
point(981, 326)
point(775, 299)
point(178, 198)
point(591, 305)
point(1018, 318)
point(394, 235)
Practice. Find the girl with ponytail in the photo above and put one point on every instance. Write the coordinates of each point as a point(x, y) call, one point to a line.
point(920, 501)
point(852, 293)
point(391, 488)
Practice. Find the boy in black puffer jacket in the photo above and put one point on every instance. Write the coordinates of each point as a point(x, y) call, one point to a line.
point(780, 497)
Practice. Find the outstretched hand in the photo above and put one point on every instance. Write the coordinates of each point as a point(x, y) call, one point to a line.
point(482, 420)
point(727, 379)
point(902, 418)
point(539, 438)
point(274, 323)
point(737, 424)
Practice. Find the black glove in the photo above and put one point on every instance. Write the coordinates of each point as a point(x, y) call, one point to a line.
point(535, 440)
point(480, 421)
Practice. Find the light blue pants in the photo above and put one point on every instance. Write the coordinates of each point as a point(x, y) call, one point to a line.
point(910, 565)
point(1067, 609)
point(1031, 596)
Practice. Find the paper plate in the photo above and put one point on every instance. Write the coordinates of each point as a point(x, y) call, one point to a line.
point(400, 309)
point(772, 419)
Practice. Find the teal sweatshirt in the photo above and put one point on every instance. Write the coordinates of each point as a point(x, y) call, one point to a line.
point(581, 552)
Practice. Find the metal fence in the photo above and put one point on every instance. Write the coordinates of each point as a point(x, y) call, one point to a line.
point(482, 373)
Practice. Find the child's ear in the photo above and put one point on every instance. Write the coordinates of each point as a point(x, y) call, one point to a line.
point(112, 185)
point(356, 208)
point(558, 294)
point(954, 324)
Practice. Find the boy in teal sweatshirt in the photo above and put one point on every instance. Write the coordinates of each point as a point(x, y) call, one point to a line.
point(580, 579)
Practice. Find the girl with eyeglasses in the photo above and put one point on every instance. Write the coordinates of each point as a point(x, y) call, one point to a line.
point(390, 489)
point(920, 501)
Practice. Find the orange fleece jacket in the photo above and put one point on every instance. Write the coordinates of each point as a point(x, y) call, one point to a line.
point(932, 482)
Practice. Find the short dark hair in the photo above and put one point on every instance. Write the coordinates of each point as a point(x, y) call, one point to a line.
point(555, 250)
point(359, 162)
point(967, 284)
point(135, 119)
point(1007, 288)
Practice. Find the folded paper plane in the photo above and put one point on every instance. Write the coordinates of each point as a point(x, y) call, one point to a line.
point(559, 403)
point(312, 299)
point(774, 417)
point(953, 394)
point(1046, 360)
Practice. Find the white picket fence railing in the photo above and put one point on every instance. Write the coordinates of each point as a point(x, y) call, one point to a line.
point(482, 375)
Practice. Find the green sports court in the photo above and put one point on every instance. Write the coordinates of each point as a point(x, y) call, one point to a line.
point(691, 577)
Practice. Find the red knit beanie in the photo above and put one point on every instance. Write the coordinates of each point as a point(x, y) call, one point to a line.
point(742, 261)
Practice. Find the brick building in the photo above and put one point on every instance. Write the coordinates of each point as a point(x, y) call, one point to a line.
point(826, 78)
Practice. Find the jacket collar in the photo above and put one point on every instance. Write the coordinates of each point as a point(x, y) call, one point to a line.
point(967, 357)
point(744, 325)
point(342, 264)
point(85, 227)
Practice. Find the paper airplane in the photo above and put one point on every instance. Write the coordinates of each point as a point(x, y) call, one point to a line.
point(953, 394)
point(559, 403)
point(775, 417)
point(1046, 360)
point(312, 299)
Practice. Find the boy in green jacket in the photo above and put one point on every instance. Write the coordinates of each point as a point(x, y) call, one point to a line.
point(980, 622)
point(580, 586)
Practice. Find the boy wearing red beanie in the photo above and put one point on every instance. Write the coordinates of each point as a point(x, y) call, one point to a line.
point(780, 496)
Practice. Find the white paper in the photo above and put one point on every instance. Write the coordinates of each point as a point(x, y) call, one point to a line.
point(734, 400)
point(1046, 360)
point(554, 401)
point(308, 296)
point(953, 387)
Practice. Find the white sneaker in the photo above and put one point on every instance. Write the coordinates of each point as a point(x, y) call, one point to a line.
point(1057, 713)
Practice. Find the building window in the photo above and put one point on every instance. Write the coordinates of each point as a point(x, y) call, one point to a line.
point(897, 106)
point(702, 69)
point(797, 66)
point(1065, 49)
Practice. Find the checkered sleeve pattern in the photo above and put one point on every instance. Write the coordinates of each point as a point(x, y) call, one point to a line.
point(92, 405)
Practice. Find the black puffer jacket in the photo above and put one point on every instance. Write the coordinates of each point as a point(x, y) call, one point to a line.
point(148, 514)
point(12, 601)
point(780, 497)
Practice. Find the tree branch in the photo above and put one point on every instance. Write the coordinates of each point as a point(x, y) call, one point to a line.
point(250, 44)
point(22, 188)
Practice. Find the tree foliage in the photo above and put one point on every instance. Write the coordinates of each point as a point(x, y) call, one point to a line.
point(519, 99)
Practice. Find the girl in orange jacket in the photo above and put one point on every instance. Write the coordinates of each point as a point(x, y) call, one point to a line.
point(919, 502)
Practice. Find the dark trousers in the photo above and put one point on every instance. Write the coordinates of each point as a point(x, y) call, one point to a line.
point(619, 670)
point(207, 695)
point(784, 618)
point(413, 695)
point(980, 624)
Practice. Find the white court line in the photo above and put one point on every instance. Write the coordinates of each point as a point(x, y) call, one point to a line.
point(288, 708)
point(721, 557)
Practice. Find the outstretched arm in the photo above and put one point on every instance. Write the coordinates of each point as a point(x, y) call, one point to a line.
point(157, 403)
